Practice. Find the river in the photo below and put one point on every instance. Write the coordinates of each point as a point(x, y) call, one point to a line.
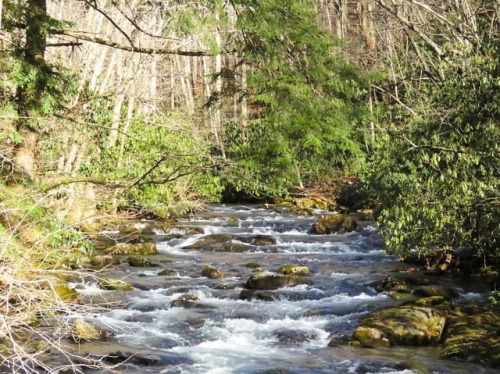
point(221, 328)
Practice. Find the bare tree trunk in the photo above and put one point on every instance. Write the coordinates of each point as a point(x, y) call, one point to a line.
point(115, 125)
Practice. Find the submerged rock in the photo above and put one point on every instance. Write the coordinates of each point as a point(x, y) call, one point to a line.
point(292, 269)
point(211, 272)
point(132, 249)
point(294, 336)
point(333, 224)
point(474, 338)
point(268, 281)
point(421, 323)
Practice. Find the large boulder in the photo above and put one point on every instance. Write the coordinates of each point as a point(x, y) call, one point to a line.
point(141, 249)
point(474, 338)
point(333, 224)
point(421, 323)
point(269, 281)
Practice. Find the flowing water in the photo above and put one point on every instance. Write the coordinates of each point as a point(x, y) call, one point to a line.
point(288, 332)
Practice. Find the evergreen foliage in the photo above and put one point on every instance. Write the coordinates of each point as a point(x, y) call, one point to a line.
point(437, 173)
point(306, 99)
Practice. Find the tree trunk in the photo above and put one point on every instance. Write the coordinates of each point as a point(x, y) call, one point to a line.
point(34, 56)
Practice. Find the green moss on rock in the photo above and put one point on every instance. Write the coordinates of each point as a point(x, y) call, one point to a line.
point(292, 269)
point(333, 224)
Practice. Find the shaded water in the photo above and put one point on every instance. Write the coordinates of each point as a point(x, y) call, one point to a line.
point(221, 333)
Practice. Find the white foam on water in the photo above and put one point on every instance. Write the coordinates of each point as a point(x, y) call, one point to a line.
point(175, 246)
point(88, 289)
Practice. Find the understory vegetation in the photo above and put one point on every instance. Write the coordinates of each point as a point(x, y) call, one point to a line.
point(160, 106)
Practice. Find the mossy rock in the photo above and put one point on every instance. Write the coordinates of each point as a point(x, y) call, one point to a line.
point(211, 272)
point(474, 338)
point(293, 269)
point(83, 331)
point(143, 249)
point(141, 262)
point(333, 224)
point(188, 302)
point(102, 261)
point(428, 291)
point(269, 281)
point(303, 211)
point(405, 325)
point(111, 284)
point(65, 293)
point(211, 242)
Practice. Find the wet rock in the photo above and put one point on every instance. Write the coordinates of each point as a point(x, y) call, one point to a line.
point(132, 249)
point(427, 291)
point(211, 272)
point(258, 240)
point(114, 284)
point(188, 301)
point(294, 269)
point(268, 281)
point(168, 272)
point(474, 338)
point(294, 336)
point(416, 324)
point(211, 241)
point(146, 359)
point(225, 286)
point(303, 211)
point(258, 295)
point(333, 224)
point(141, 262)
point(190, 231)
point(252, 265)
point(232, 247)
point(65, 292)
point(85, 331)
point(102, 261)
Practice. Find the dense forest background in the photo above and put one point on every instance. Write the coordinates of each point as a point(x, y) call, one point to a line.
point(109, 104)
point(155, 106)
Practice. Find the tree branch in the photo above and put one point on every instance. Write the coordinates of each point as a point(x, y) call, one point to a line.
point(132, 48)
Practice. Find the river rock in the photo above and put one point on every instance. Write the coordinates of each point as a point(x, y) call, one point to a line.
point(211, 272)
point(84, 331)
point(132, 249)
point(333, 224)
point(114, 284)
point(293, 269)
point(269, 281)
point(211, 241)
point(416, 324)
point(168, 273)
point(65, 293)
point(258, 295)
point(428, 291)
point(102, 261)
point(474, 338)
point(141, 262)
point(232, 248)
point(258, 240)
point(294, 336)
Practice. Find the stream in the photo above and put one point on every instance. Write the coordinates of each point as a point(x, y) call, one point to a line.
point(220, 327)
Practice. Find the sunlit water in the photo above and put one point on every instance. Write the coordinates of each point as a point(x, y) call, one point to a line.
point(223, 334)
